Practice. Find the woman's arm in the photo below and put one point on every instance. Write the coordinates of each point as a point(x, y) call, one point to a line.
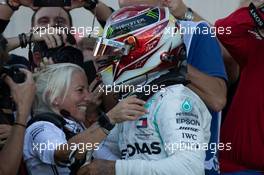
point(126, 110)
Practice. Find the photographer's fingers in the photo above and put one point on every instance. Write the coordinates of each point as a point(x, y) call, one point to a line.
point(47, 41)
point(5, 131)
point(8, 80)
point(46, 61)
point(58, 40)
point(52, 40)
point(50, 61)
point(64, 38)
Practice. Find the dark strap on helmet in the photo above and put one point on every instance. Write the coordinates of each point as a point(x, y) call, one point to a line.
point(176, 75)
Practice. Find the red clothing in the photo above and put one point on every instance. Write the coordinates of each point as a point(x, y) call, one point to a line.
point(244, 124)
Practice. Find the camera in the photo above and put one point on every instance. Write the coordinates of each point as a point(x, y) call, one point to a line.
point(51, 3)
point(17, 76)
point(62, 54)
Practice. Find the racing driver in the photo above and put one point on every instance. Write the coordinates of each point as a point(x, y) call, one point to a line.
point(136, 51)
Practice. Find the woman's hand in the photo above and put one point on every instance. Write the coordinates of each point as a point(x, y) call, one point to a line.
point(128, 109)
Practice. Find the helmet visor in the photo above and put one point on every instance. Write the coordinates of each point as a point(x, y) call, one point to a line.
point(108, 47)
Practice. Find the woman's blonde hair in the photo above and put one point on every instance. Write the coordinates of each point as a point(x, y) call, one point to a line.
point(52, 82)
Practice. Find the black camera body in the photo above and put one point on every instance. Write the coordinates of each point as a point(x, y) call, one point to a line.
point(51, 3)
point(14, 72)
point(62, 54)
point(17, 76)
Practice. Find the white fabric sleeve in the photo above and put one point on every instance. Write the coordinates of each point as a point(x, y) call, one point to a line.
point(183, 122)
point(45, 138)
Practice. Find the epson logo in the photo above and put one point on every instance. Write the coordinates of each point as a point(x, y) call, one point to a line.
point(188, 121)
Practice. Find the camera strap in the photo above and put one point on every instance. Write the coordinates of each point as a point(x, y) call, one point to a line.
point(253, 11)
point(30, 54)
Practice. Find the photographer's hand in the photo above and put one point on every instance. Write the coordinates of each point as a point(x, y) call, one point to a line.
point(43, 64)
point(53, 37)
point(26, 3)
point(23, 95)
point(5, 131)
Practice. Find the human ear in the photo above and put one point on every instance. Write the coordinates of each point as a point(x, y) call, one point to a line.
point(57, 102)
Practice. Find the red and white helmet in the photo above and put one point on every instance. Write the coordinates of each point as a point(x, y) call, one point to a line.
point(134, 41)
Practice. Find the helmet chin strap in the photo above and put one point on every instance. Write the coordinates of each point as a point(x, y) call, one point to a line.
point(139, 81)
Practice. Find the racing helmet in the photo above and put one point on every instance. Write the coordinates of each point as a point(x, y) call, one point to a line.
point(136, 42)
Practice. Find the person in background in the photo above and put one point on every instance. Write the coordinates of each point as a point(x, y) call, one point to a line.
point(23, 95)
point(243, 126)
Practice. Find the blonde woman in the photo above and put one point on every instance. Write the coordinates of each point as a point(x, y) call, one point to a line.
point(56, 140)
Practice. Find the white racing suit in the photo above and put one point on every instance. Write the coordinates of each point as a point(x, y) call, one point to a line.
point(169, 140)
